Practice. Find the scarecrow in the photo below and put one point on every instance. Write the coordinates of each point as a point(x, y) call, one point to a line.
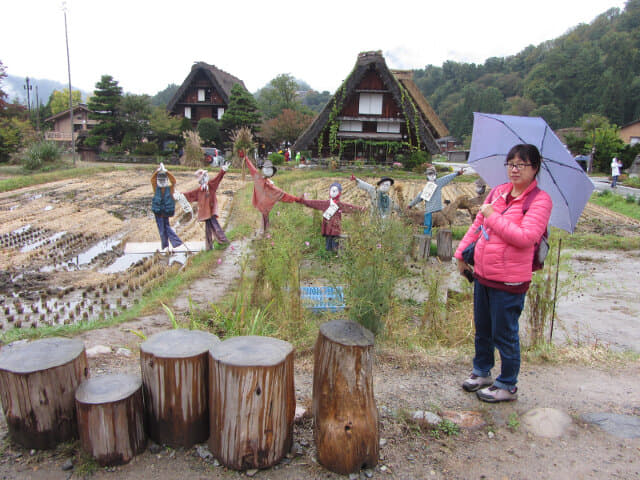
point(381, 203)
point(164, 206)
point(332, 214)
point(431, 194)
point(265, 193)
point(205, 196)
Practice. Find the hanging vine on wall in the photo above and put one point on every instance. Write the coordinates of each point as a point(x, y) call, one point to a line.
point(405, 99)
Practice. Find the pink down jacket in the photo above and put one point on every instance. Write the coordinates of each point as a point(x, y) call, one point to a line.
point(507, 255)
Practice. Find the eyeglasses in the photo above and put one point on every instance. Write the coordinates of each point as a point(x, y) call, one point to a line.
point(517, 166)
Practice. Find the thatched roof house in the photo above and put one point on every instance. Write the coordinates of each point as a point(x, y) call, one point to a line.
point(203, 94)
point(375, 113)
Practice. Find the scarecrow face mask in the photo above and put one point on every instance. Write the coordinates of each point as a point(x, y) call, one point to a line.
point(385, 186)
point(204, 179)
point(480, 189)
point(267, 171)
point(334, 191)
point(162, 180)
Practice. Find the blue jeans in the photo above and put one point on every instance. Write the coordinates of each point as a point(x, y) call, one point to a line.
point(496, 314)
point(166, 233)
point(427, 223)
point(614, 181)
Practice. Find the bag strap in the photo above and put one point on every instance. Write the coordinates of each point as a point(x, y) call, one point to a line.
point(529, 200)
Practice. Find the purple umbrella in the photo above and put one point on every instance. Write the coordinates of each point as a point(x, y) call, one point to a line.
point(560, 175)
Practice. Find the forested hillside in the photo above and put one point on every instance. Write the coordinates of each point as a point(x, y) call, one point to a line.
point(593, 68)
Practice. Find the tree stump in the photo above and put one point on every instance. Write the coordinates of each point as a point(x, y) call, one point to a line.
point(111, 418)
point(421, 246)
point(344, 408)
point(38, 381)
point(252, 401)
point(445, 244)
point(174, 367)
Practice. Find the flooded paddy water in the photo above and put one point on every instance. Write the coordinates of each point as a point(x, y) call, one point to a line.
point(62, 246)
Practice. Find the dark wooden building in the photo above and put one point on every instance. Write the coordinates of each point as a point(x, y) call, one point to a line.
point(376, 112)
point(203, 94)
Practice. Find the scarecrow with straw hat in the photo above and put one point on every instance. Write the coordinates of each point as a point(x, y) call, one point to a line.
point(332, 215)
point(163, 206)
point(381, 202)
point(205, 196)
point(265, 193)
point(431, 194)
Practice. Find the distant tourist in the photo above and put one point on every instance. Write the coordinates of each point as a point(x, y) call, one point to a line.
point(616, 165)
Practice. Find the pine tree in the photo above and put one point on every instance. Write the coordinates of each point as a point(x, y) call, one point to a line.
point(242, 111)
point(104, 106)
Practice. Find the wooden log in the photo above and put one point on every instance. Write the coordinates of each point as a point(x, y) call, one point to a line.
point(445, 244)
point(421, 246)
point(174, 366)
point(252, 401)
point(344, 408)
point(111, 418)
point(38, 381)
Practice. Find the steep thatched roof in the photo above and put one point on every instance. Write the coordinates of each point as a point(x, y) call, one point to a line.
point(221, 80)
point(429, 125)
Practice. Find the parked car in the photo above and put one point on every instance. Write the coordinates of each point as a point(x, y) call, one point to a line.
point(212, 156)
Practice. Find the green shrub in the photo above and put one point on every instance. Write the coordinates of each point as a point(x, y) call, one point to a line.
point(276, 158)
point(414, 160)
point(39, 154)
point(372, 262)
point(148, 148)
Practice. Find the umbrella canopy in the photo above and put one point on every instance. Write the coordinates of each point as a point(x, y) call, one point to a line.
point(560, 175)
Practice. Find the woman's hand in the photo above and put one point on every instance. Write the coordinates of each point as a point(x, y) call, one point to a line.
point(462, 266)
point(486, 210)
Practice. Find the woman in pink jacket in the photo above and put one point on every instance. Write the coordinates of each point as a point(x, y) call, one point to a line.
point(505, 238)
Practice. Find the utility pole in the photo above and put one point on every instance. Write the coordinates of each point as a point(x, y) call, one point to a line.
point(66, 37)
point(28, 87)
point(37, 112)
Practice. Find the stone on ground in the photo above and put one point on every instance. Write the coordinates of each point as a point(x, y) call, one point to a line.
point(622, 426)
point(546, 422)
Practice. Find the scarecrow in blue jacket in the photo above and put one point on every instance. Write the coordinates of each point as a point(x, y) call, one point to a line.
point(163, 206)
point(431, 194)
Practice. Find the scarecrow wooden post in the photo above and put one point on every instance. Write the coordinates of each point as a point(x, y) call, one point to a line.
point(252, 401)
point(421, 246)
point(174, 367)
point(445, 244)
point(344, 408)
point(38, 381)
point(111, 418)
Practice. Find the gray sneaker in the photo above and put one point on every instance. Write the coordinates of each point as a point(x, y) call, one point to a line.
point(494, 394)
point(474, 382)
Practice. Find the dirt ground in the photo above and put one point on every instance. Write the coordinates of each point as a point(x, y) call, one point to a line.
point(499, 448)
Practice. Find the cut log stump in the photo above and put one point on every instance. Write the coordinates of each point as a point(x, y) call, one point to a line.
point(421, 246)
point(344, 408)
point(111, 418)
point(445, 244)
point(38, 381)
point(174, 366)
point(252, 401)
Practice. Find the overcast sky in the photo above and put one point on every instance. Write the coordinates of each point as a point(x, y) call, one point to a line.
point(147, 45)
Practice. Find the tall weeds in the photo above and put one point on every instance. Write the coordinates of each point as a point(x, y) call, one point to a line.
point(372, 262)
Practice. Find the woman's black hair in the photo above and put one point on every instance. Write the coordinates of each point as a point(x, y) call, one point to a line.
point(527, 152)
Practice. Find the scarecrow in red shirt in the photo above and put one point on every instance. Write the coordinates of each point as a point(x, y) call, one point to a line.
point(205, 196)
point(265, 193)
point(332, 215)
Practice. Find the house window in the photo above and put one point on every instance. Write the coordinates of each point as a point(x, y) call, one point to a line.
point(350, 126)
point(634, 140)
point(220, 112)
point(370, 104)
point(201, 94)
point(386, 127)
point(187, 112)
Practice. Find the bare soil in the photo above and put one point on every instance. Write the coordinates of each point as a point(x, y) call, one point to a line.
point(499, 448)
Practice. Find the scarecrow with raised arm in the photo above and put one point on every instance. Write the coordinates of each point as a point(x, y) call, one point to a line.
point(381, 202)
point(431, 195)
point(205, 196)
point(332, 215)
point(265, 193)
point(164, 206)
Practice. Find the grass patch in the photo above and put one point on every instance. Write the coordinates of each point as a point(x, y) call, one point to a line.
point(617, 203)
